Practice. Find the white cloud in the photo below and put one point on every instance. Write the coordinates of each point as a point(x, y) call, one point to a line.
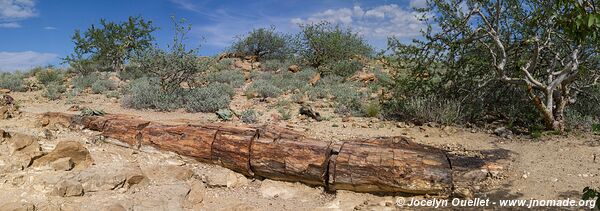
point(376, 23)
point(10, 61)
point(10, 25)
point(185, 4)
point(50, 28)
point(17, 9)
point(418, 3)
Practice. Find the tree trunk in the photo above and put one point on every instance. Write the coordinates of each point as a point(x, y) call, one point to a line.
point(375, 165)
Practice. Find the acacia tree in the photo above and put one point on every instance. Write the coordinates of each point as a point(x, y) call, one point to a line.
point(522, 43)
point(110, 45)
point(264, 43)
point(322, 43)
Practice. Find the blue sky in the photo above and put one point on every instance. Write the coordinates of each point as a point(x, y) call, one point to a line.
point(38, 32)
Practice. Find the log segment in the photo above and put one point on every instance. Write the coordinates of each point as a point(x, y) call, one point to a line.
point(231, 148)
point(392, 165)
point(289, 156)
point(190, 140)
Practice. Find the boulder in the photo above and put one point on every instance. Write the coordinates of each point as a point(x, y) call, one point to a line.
point(363, 76)
point(222, 177)
point(24, 150)
point(503, 132)
point(308, 111)
point(294, 68)
point(313, 80)
point(4, 91)
point(114, 207)
point(68, 188)
point(106, 178)
point(63, 164)
point(196, 195)
point(256, 65)
point(79, 155)
point(17, 206)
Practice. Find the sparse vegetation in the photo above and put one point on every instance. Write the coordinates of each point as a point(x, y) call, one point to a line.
point(54, 91)
point(249, 116)
point(324, 43)
point(209, 99)
point(264, 89)
point(13, 82)
point(50, 76)
point(264, 44)
point(231, 77)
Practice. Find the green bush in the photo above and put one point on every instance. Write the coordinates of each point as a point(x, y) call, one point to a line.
point(223, 64)
point(209, 99)
point(275, 64)
point(146, 93)
point(102, 86)
point(264, 44)
point(249, 116)
point(13, 82)
point(343, 68)
point(85, 81)
point(430, 109)
point(132, 72)
point(232, 77)
point(263, 88)
point(285, 114)
point(372, 109)
point(323, 43)
point(54, 91)
point(173, 66)
point(49, 76)
point(577, 121)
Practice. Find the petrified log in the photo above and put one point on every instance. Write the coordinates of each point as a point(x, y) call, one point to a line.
point(377, 165)
point(125, 129)
point(289, 156)
point(231, 148)
point(190, 140)
point(390, 165)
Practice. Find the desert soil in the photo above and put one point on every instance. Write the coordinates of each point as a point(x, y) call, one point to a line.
point(551, 167)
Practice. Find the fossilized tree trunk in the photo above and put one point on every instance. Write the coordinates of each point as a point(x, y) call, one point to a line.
point(377, 165)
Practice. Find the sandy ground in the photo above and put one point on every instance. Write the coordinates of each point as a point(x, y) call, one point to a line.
point(551, 167)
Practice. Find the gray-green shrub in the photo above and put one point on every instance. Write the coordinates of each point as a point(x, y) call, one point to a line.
point(209, 99)
point(263, 88)
point(234, 78)
point(249, 116)
point(49, 76)
point(343, 68)
point(102, 86)
point(12, 81)
point(146, 93)
point(54, 91)
point(431, 109)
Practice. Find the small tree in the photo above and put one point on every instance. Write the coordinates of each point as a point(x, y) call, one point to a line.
point(111, 45)
point(519, 43)
point(323, 43)
point(171, 67)
point(264, 43)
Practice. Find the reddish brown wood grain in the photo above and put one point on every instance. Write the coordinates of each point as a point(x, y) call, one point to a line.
point(189, 140)
point(289, 156)
point(390, 165)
